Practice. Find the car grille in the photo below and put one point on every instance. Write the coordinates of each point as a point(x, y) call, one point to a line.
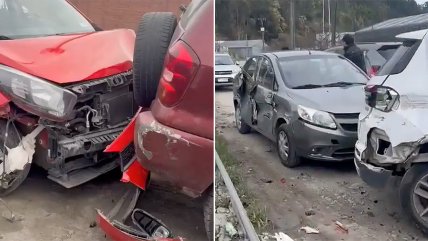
point(223, 72)
point(347, 153)
point(348, 122)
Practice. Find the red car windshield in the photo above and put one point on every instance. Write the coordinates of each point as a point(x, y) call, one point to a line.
point(30, 18)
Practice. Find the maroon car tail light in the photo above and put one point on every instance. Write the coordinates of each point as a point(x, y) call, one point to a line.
point(181, 65)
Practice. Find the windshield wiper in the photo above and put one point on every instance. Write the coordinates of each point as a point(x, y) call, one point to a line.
point(3, 37)
point(308, 86)
point(342, 84)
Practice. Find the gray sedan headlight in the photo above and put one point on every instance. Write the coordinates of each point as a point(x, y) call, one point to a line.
point(36, 95)
point(316, 117)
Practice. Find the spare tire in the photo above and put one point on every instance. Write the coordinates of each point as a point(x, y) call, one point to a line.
point(152, 41)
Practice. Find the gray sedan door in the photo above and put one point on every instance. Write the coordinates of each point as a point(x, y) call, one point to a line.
point(264, 97)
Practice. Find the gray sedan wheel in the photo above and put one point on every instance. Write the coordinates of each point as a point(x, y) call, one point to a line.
point(286, 151)
point(242, 127)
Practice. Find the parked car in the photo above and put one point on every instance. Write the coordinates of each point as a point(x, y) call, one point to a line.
point(375, 54)
point(65, 92)
point(225, 70)
point(170, 136)
point(392, 138)
point(306, 101)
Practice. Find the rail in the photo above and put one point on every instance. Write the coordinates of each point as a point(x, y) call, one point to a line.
point(248, 228)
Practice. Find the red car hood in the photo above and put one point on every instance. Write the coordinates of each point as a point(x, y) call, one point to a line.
point(71, 58)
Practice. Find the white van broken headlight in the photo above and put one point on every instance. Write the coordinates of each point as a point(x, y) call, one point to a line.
point(316, 117)
point(381, 97)
point(36, 95)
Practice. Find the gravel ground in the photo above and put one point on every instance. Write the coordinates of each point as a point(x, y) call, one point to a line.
point(48, 211)
point(316, 194)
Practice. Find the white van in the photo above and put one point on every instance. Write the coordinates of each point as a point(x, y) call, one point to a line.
point(393, 129)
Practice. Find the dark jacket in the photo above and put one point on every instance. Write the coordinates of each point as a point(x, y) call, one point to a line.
point(356, 55)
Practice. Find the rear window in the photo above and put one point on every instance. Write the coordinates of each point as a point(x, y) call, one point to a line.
point(401, 58)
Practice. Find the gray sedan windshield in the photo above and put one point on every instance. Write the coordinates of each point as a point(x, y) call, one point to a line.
point(34, 18)
point(319, 71)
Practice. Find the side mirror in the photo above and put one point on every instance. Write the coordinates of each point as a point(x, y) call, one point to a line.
point(237, 63)
point(381, 97)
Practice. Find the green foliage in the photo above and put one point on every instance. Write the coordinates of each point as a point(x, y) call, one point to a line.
point(241, 19)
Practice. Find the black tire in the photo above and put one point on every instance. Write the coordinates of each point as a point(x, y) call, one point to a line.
point(292, 159)
point(12, 141)
point(151, 44)
point(407, 197)
point(209, 214)
point(242, 127)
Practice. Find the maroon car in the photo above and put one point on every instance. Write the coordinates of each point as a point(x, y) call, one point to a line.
point(172, 134)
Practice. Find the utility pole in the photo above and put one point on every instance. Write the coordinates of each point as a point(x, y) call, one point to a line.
point(262, 29)
point(329, 22)
point(292, 26)
point(334, 23)
point(323, 17)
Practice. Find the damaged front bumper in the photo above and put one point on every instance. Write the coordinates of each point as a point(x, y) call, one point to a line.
point(388, 145)
point(377, 177)
point(125, 222)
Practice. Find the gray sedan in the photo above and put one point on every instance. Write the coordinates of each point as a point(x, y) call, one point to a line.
point(308, 102)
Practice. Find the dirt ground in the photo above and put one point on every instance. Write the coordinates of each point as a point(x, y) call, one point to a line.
point(51, 212)
point(332, 191)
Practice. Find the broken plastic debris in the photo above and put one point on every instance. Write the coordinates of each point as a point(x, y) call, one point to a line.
point(11, 217)
point(230, 229)
point(309, 230)
point(282, 237)
point(342, 227)
point(23, 153)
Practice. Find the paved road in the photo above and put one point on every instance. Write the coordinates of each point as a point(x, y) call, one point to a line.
point(333, 190)
point(51, 212)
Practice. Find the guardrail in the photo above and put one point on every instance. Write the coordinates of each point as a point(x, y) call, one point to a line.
point(247, 227)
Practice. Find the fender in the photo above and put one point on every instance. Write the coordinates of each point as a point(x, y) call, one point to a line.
point(135, 173)
point(4, 104)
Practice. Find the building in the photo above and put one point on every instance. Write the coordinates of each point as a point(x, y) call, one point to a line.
point(241, 49)
point(111, 14)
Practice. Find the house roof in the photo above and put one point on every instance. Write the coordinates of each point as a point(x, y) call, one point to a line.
point(387, 31)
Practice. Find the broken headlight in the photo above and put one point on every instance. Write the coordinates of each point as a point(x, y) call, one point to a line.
point(381, 98)
point(36, 95)
point(316, 117)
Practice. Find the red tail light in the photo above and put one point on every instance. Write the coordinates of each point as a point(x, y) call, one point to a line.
point(180, 67)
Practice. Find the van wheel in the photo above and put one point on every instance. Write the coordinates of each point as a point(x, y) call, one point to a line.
point(12, 181)
point(286, 150)
point(242, 127)
point(151, 44)
point(414, 195)
point(209, 214)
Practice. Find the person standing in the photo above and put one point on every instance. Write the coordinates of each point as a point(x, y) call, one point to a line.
point(353, 53)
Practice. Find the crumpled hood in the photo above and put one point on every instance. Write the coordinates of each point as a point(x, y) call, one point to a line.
point(71, 58)
point(337, 100)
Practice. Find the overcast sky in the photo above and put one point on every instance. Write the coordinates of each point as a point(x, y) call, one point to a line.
point(420, 1)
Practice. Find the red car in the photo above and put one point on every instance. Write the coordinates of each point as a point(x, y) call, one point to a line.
point(172, 134)
point(65, 92)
